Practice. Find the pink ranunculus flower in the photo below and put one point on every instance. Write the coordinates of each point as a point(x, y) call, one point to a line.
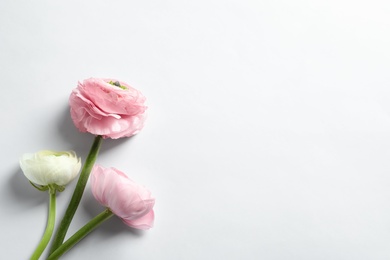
point(128, 200)
point(107, 107)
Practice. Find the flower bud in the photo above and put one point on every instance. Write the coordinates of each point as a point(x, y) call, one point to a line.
point(50, 167)
point(128, 200)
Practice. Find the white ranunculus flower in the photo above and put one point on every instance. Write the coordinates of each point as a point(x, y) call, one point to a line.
point(50, 167)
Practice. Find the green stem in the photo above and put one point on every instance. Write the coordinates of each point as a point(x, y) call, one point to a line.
point(77, 194)
point(49, 227)
point(80, 234)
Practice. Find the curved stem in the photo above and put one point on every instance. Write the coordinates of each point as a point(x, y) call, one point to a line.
point(80, 234)
point(49, 227)
point(77, 194)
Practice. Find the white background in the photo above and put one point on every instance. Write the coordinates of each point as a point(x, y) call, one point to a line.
point(268, 131)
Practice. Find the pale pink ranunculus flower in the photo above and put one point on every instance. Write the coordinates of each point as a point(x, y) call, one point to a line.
point(128, 200)
point(107, 107)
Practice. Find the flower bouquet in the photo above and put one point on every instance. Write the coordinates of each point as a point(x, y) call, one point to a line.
point(106, 108)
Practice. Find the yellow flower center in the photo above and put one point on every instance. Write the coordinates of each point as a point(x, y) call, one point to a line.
point(117, 84)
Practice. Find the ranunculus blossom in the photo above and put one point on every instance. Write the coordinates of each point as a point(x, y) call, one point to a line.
point(50, 167)
point(107, 107)
point(128, 200)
